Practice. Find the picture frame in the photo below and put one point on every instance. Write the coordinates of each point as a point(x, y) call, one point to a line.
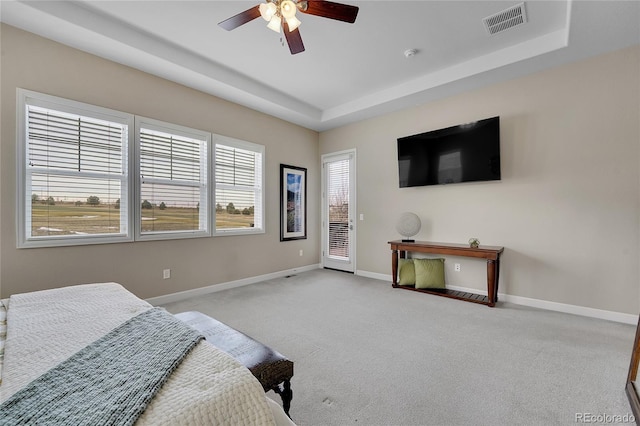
point(293, 203)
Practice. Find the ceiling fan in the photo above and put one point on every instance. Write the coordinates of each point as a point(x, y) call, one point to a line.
point(281, 15)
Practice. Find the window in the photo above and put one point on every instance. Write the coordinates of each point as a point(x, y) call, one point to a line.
point(173, 188)
point(73, 167)
point(75, 163)
point(338, 205)
point(239, 177)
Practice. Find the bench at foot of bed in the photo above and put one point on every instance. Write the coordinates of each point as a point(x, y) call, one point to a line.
point(272, 369)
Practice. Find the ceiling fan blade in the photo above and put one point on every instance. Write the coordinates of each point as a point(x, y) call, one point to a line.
point(240, 19)
point(331, 10)
point(294, 40)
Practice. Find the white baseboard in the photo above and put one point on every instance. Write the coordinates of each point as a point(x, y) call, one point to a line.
point(571, 309)
point(517, 300)
point(374, 275)
point(175, 297)
point(534, 303)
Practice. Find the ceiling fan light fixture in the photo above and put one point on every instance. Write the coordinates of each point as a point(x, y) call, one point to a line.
point(281, 17)
point(267, 11)
point(293, 23)
point(288, 9)
point(275, 23)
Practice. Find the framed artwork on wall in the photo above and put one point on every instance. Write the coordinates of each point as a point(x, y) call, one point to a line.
point(293, 203)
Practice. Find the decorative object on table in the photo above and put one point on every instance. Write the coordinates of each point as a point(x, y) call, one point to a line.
point(293, 203)
point(408, 225)
point(474, 242)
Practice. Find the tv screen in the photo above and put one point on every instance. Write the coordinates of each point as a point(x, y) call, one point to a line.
point(465, 153)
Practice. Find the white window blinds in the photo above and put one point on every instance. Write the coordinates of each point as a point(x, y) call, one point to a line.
point(239, 180)
point(173, 180)
point(75, 175)
point(75, 163)
point(338, 203)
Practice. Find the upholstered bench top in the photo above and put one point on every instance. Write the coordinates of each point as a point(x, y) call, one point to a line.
point(270, 367)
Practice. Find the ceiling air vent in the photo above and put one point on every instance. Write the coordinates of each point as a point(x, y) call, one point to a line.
point(506, 19)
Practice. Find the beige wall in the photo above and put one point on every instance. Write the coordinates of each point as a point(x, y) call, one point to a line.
point(566, 210)
point(34, 63)
point(567, 207)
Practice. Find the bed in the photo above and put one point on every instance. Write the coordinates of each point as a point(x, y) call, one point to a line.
point(42, 331)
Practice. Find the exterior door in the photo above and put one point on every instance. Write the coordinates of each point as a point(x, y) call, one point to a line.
point(338, 211)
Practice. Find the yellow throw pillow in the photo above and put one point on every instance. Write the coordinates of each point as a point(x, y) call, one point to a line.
point(406, 272)
point(429, 273)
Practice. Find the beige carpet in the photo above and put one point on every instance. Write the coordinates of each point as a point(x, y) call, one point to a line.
point(368, 354)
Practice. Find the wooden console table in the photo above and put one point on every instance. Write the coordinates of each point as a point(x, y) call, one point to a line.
point(491, 253)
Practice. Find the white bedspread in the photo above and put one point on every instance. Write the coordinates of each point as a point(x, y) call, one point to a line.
point(46, 327)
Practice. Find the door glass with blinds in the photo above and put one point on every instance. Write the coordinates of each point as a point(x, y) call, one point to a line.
point(338, 206)
point(239, 179)
point(73, 168)
point(173, 190)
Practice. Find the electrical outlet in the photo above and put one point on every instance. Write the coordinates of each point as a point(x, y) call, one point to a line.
point(301, 252)
point(166, 274)
point(456, 267)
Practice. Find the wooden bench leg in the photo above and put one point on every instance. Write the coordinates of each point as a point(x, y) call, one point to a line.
point(286, 394)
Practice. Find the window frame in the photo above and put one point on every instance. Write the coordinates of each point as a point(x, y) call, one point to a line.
point(249, 146)
point(162, 126)
point(26, 98)
point(131, 179)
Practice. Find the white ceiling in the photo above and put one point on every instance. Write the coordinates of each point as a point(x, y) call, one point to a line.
point(348, 72)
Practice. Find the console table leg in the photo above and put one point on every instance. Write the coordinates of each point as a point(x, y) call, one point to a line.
point(497, 277)
point(492, 287)
point(394, 268)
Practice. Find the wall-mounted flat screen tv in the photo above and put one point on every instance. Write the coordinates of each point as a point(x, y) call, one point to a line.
point(465, 153)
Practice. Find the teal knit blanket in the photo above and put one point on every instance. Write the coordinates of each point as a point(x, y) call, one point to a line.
point(109, 382)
